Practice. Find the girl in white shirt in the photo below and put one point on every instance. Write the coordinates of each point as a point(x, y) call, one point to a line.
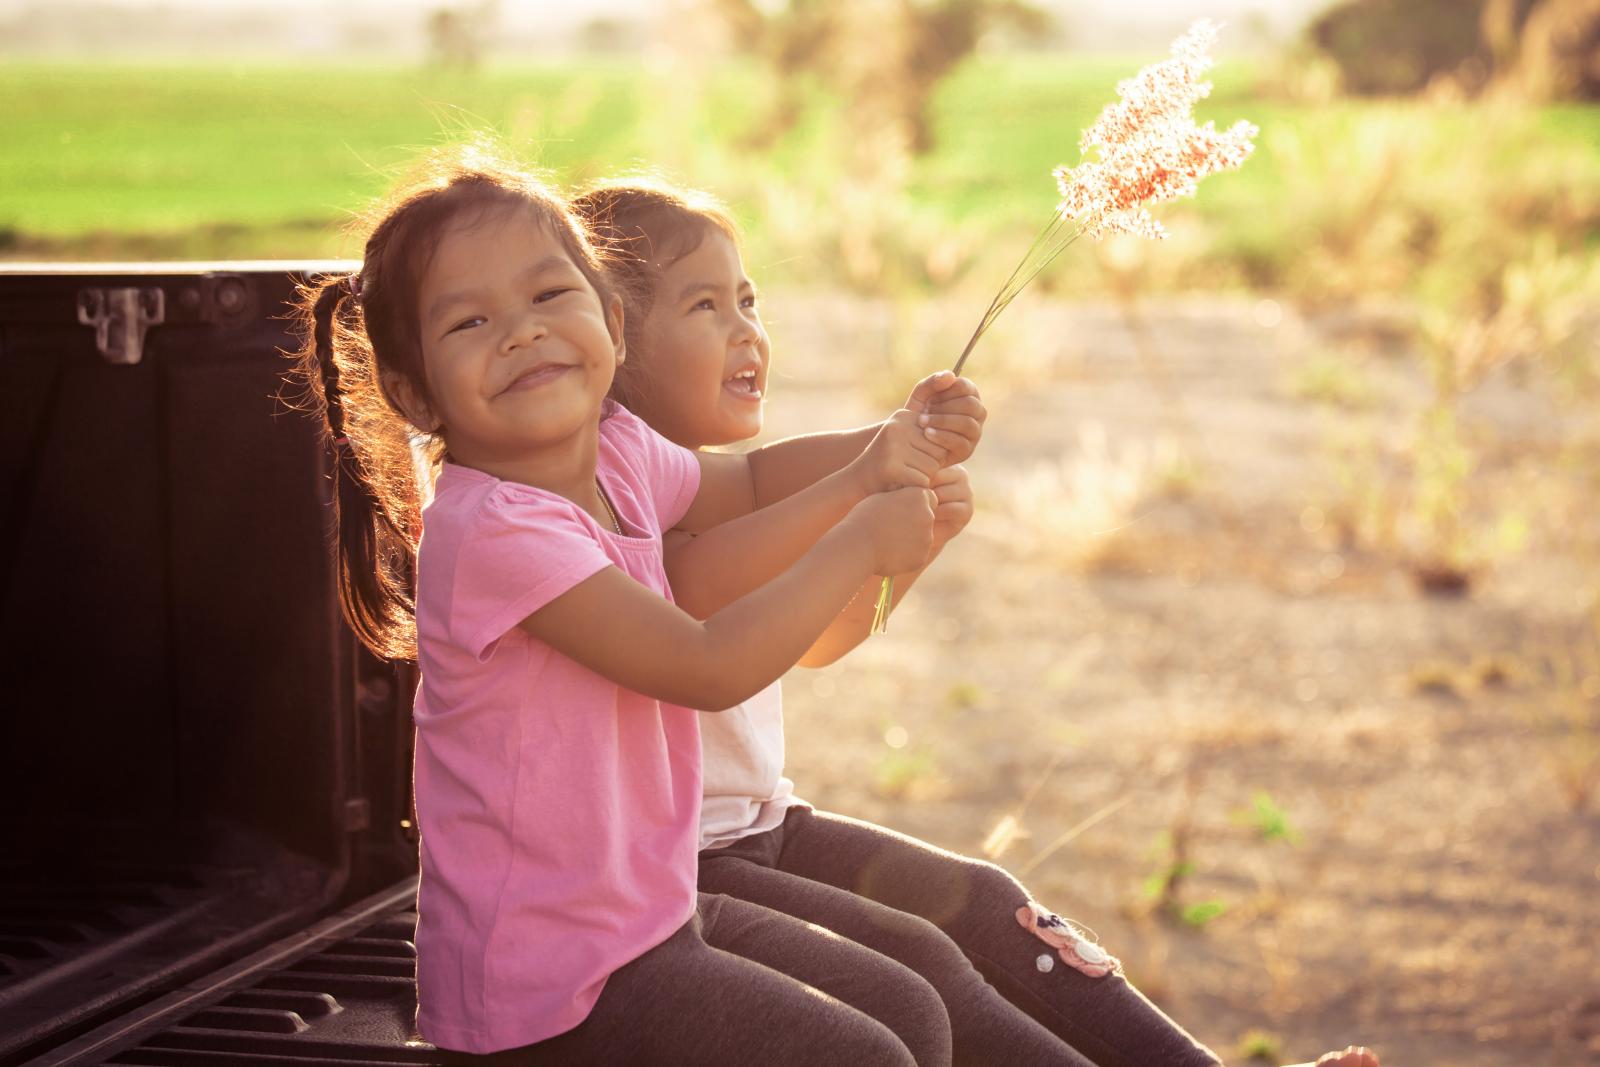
point(698, 376)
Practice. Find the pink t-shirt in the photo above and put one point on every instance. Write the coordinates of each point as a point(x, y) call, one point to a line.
point(558, 811)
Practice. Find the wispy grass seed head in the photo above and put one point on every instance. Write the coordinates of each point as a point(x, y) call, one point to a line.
point(1150, 148)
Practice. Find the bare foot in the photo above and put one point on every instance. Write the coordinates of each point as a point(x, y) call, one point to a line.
point(1352, 1056)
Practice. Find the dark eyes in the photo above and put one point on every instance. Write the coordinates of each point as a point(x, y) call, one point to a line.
point(707, 304)
point(543, 297)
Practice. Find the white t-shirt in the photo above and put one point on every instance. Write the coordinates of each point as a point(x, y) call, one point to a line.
point(745, 790)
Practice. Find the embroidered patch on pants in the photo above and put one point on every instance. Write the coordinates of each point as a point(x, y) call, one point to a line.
point(1071, 943)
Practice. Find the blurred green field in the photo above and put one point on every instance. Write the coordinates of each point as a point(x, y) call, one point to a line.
point(227, 161)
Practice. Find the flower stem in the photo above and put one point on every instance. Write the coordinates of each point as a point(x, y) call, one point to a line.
point(1045, 248)
point(880, 615)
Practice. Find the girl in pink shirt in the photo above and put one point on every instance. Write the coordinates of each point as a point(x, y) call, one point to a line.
point(1021, 984)
point(557, 764)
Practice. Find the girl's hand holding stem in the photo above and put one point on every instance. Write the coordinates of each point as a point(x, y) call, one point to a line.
point(900, 523)
point(952, 492)
point(900, 454)
point(951, 413)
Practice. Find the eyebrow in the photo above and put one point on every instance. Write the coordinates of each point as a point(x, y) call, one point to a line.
point(445, 300)
point(695, 287)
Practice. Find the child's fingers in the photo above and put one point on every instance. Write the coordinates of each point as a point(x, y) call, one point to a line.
point(921, 441)
point(965, 425)
point(925, 390)
point(955, 391)
point(971, 406)
point(948, 440)
point(926, 455)
point(951, 483)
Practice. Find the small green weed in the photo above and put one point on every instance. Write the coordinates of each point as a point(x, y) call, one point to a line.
point(1262, 1045)
point(1268, 819)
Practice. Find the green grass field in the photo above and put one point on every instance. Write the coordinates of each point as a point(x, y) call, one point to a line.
point(208, 162)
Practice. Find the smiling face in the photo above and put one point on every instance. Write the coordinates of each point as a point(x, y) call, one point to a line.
point(517, 349)
point(706, 348)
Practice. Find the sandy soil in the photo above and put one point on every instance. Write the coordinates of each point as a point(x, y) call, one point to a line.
point(1117, 642)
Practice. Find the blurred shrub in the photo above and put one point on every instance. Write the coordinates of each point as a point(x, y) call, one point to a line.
point(1560, 54)
point(886, 56)
point(1549, 49)
point(1399, 46)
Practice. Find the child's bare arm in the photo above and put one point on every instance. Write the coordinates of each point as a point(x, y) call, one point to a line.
point(734, 556)
point(757, 512)
point(954, 415)
point(625, 632)
point(786, 467)
point(952, 512)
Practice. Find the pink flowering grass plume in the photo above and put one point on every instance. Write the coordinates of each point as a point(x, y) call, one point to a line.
point(1150, 150)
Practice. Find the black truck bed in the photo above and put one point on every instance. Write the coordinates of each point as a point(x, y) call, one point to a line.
point(340, 992)
point(198, 762)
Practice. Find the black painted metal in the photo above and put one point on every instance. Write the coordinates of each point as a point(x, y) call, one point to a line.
point(342, 991)
point(195, 756)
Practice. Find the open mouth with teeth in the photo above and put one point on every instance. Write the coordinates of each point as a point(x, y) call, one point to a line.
point(744, 384)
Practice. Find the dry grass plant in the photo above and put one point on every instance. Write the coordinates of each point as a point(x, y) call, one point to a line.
point(1566, 716)
point(1069, 508)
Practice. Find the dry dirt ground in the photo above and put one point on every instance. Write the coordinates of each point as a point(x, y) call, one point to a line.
point(1200, 672)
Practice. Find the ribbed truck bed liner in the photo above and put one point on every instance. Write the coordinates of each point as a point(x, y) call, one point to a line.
point(340, 992)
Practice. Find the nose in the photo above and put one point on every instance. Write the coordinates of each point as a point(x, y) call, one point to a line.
point(746, 331)
point(526, 328)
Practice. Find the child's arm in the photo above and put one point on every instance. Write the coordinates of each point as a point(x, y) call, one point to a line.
point(641, 641)
point(732, 557)
point(745, 542)
point(951, 513)
point(953, 412)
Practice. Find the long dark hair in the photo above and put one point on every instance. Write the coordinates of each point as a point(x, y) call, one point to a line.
point(359, 329)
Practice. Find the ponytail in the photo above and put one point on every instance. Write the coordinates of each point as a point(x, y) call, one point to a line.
point(376, 552)
point(359, 332)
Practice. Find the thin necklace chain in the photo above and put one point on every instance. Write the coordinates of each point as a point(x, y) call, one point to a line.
point(610, 514)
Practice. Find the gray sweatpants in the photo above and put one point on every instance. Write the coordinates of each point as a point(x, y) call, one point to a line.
point(883, 889)
point(741, 984)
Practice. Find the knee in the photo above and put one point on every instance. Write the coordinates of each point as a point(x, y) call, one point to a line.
point(923, 1024)
point(927, 949)
point(873, 1042)
point(994, 885)
point(984, 902)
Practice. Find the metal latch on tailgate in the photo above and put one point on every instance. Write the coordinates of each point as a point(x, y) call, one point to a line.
point(120, 318)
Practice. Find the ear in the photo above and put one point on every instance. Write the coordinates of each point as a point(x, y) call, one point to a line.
point(399, 391)
point(614, 327)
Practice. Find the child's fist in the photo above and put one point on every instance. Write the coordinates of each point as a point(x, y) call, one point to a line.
point(899, 455)
point(952, 414)
point(900, 523)
point(952, 510)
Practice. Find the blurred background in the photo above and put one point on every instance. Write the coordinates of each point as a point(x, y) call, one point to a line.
point(1273, 652)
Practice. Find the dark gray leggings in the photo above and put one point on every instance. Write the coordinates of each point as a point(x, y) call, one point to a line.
point(883, 889)
point(741, 984)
